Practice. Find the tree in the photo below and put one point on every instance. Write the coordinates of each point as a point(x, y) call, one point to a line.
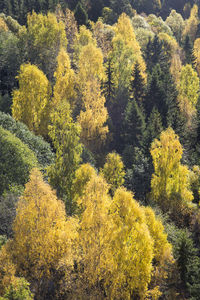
point(90, 65)
point(191, 24)
point(132, 247)
point(42, 39)
point(188, 48)
point(197, 55)
point(65, 79)
point(31, 102)
point(94, 116)
point(188, 91)
point(94, 261)
point(65, 136)
point(113, 171)
point(18, 290)
point(80, 14)
point(137, 85)
point(176, 23)
point(169, 183)
point(47, 235)
point(134, 124)
point(37, 144)
point(16, 160)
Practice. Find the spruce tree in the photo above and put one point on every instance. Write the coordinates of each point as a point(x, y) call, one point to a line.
point(137, 85)
point(154, 54)
point(188, 48)
point(80, 14)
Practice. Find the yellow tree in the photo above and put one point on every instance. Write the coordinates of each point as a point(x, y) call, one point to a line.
point(42, 235)
point(113, 171)
point(191, 24)
point(126, 52)
point(93, 116)
point(93, 242)
point(197, 55)
point(90, 65)
point(188, 89)
point(169, 183)
point(162, 249)
point(31, 102)
point(43, 37)
point(65, 80)
point(132, 248)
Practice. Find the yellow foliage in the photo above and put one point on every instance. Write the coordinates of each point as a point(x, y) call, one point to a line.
point(94, 116)
point(113, 171)
point(125, 53)
point(31, 102)
point(169, 183)
point(188, 88)
point(197, 55)
point(90, 64)
point(45, 31)
point(191, 24)
point(7, 269)
point(82, 176)
point(3, 26)
point(65, 79)
point(132, 247)
point(94, 235)
point(42, 236)
point(162, 249)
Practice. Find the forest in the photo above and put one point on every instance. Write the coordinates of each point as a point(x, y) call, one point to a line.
point(99, 149)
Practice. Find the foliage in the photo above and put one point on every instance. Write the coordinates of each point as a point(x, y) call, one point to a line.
point(31, 102)
point(47, 235)
point(113, 171)
point(42, 39)
point(188, 91)
point(7, 213)
point(169, 183)
point(64, 75)
point(65, 136)
point(41, 148)
point(16, 161)
point(19, 290)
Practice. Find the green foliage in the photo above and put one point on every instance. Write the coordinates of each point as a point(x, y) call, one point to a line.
point(65, 136)
point(37, 144)
point(10, 60)
point(80, 14)
point(8, 203)
point(16, 160)
point(3, 240)
point(18, 290)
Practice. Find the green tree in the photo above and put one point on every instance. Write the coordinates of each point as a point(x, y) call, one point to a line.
point(80, 14)
point(16, 160)
point(37, 144)
point(65, 136)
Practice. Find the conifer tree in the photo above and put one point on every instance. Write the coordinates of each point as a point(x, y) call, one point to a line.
point(80, 14)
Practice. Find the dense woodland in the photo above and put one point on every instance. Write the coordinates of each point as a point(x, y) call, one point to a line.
point(99, 149)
